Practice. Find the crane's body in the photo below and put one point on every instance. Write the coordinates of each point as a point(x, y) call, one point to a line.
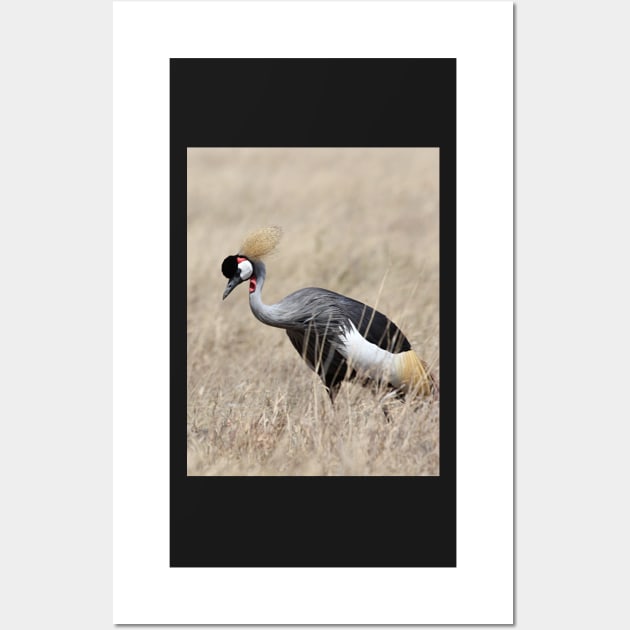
point(338, 337)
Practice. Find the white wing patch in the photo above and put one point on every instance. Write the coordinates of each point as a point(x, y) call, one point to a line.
point(367, 358)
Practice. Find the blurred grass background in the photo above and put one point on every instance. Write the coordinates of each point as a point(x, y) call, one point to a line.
point(362, 222)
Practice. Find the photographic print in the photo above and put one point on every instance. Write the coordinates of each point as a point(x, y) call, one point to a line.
point(312, 302)
point(346, 242)
point(360, 153)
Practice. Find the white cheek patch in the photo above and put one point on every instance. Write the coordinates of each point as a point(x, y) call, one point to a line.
point(246, 268)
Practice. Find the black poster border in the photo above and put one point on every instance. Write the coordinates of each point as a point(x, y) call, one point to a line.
point(312, 521)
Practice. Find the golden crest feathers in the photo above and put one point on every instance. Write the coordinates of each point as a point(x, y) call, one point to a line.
point(261, 242)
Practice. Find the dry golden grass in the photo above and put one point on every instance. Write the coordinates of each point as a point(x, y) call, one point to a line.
point(362, 222)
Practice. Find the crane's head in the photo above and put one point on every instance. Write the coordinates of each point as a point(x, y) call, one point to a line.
point(236, 269)
point(240, 267)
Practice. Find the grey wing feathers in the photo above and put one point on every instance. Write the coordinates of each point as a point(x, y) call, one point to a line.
point(317, 321)
point(376, 327)
point(319, 316)
point(329, 312)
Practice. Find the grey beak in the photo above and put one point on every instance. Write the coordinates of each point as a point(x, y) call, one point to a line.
point(233, 282)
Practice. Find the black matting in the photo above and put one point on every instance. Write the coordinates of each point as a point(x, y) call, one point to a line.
point(312, 521)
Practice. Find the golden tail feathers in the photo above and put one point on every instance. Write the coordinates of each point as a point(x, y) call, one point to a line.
point(415, 375)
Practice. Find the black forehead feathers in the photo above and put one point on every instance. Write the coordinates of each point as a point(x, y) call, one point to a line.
point(229, 267)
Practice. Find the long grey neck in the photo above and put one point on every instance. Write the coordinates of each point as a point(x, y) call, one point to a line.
point(271, 314)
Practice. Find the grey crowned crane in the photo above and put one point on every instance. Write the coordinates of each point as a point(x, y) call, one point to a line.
point(338, 337)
